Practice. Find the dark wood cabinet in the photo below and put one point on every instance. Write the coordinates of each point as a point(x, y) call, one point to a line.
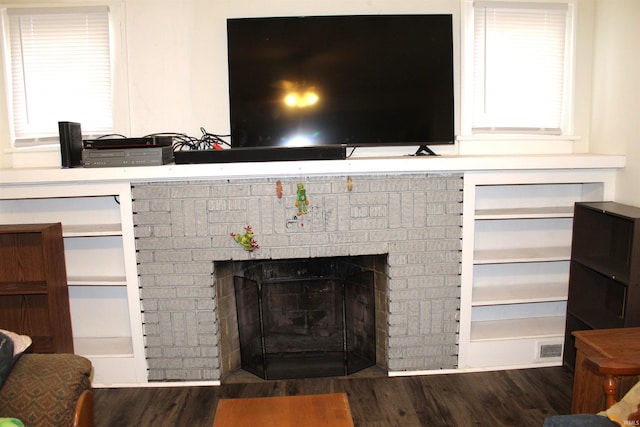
point(34, 298)
point(604, 276)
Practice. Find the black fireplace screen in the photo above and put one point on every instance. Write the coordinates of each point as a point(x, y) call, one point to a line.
point(249, 326)
point(298, 322)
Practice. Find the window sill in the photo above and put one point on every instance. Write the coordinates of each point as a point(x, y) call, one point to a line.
point(34, 157)
point(516, 144)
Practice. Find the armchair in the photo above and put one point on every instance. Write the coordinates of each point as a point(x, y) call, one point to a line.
point(49, 390)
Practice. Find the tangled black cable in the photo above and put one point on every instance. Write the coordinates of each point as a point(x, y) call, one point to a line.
point(207, 141)
point(213, 140)
point(111, 136)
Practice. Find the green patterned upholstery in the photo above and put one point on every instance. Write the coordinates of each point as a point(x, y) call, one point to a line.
point(42, 389)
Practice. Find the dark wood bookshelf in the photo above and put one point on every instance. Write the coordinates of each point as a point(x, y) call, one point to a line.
point(34, 299)
point(604, 276)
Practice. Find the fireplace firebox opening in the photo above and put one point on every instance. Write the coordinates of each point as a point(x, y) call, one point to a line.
point(303, 318)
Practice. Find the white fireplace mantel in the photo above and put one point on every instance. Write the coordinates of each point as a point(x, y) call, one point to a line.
point(355, 166)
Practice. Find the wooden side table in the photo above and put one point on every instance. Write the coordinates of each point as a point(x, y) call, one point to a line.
point(588, 394)
point(285, 411)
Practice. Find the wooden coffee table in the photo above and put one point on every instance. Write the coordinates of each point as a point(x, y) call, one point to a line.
point(287, 411)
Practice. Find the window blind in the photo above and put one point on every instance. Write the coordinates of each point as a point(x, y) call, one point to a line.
point(60, 70)
point(518, 67)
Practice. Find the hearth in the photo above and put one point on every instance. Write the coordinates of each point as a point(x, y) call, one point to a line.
point(302, 318)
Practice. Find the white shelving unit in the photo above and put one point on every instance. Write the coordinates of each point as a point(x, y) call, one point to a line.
point(515, 263)
point(97, 227)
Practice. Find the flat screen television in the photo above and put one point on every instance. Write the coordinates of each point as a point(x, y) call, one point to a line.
point(361, 80)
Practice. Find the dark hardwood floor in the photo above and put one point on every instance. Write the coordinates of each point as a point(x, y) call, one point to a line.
point(505, 398)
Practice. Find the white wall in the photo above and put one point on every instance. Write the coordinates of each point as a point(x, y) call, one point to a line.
point(615, 122)
point(178, 75)
point(177, 63)
point(177, 72)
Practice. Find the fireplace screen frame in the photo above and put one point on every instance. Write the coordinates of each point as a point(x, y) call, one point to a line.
point(306, 318)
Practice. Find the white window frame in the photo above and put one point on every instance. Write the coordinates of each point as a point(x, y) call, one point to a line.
point(467, 52)
point(119, 102)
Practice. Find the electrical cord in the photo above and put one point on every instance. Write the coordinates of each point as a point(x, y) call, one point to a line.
point(213, 140)
point(111, 136)
point(179, 140)
point(207, 141)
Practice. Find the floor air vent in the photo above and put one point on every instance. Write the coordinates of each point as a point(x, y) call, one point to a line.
point(550, 351)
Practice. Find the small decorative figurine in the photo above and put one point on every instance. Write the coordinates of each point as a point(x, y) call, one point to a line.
point(301, 200)
point(279, 189)
point(246, 240)
point(349, 184)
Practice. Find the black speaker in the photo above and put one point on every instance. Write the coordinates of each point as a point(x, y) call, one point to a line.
point(70, 144)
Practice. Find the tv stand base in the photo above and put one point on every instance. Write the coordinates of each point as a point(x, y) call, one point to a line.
point(423, 150)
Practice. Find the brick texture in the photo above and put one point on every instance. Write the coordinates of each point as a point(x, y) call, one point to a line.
point(183, 228)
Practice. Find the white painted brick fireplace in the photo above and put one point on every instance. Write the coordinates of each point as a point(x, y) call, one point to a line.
point(183, 228)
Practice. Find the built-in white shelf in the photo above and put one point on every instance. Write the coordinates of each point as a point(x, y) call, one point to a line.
point(91, 230)
point(515, 263)
point(103, 347)
point(524, 213)
point(505, 329)
point(99, 247)
point(518, 255)
point(519, 293)
point(97, 281)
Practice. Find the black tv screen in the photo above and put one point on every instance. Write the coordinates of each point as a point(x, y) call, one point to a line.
point(357, 80)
